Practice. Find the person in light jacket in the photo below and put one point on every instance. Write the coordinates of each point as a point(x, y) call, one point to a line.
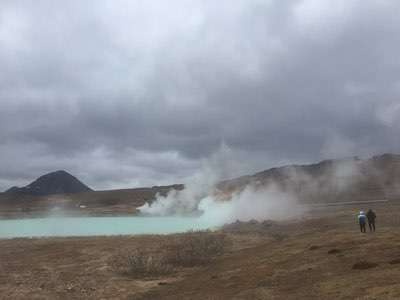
point(362, 219)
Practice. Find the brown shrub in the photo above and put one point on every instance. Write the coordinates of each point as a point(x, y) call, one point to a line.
point(195, 248)
point(334, 251)
point(362, 265)
point(183, 250)
point(138, 263)
point(279, 236)
point(395, 261)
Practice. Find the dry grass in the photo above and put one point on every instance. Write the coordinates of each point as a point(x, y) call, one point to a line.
point(363, 265)
point(195, 248)
point(182, 250)
point(141, 264)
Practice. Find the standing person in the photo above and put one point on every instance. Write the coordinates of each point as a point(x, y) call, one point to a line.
point(362, 220)
point(371, 216)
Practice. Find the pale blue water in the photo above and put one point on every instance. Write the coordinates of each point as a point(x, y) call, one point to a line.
point(92, 226)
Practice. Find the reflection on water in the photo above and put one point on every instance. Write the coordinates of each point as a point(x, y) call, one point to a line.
point(92, 226)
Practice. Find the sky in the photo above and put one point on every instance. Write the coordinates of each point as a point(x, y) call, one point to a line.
point(136, 93)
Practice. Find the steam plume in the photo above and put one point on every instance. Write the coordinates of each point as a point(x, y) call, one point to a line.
point(202, 197)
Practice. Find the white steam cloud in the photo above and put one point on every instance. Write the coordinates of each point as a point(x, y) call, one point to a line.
point(251, 204)
point(217, 207)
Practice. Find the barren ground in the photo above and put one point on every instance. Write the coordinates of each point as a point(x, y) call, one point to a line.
point(311, 258)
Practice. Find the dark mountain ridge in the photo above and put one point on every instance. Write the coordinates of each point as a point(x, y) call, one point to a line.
point(58, 182)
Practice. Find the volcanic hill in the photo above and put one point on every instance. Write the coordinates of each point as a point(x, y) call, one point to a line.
point(59, 182)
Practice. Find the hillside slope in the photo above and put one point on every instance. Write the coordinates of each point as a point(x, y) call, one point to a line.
point(330, 180)
point(110, 202)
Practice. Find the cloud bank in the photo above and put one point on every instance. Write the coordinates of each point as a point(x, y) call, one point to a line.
point(140, 92)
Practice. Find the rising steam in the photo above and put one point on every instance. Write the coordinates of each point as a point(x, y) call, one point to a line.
point(201, 196)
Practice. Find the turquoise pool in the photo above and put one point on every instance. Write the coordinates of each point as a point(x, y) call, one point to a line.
point(96, 226)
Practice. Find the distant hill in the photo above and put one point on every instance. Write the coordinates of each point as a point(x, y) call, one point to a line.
point(59, 182)
point(328, 181)
point(349, 179)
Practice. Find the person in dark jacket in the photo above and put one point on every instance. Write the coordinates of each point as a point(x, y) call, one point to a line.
point(362, 220)
point(371, 216)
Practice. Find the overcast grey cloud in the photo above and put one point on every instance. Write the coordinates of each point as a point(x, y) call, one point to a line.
point(131, 93)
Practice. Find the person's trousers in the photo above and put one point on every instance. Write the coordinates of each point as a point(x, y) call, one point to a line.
point(371, 226)
point(362, 227)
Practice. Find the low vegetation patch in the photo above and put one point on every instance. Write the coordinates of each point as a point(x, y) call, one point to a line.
point(182, 250)
point(362, 265)
point(395, 261)
point(277, 236)
point(334, 251)
point(252, 226)
point(139, 263)
point(195, 248)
